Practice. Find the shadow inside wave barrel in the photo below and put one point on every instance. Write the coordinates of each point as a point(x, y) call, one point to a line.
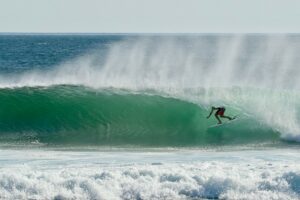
point(78, 116)
point(241, 131)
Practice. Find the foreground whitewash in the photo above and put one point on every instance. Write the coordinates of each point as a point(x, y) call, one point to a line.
point(268, 174)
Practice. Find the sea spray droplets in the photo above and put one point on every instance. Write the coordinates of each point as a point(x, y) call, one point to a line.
point(179, 62)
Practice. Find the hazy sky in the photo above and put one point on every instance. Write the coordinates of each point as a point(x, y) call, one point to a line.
point(160, 16)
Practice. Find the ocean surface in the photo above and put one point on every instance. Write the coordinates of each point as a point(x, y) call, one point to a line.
point(124, 116)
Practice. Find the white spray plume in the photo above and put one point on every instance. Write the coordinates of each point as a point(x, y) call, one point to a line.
point(256, 73)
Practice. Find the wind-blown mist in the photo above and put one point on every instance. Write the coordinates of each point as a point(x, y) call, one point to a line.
point(254, 76)
point(181, 62)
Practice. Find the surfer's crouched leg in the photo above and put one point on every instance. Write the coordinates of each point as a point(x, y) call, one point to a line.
point(217, 117)
point(230, 118)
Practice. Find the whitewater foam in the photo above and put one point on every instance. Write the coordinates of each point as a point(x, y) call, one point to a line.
point(267, 174)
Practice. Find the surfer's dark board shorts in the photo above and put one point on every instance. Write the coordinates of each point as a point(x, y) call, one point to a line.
point(220, 111)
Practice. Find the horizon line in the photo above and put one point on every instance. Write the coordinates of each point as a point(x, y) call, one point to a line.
point(146, 33)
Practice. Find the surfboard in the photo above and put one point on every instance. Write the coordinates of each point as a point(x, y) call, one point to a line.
point(224, 123)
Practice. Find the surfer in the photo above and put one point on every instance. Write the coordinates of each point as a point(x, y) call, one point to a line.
point(219, 112)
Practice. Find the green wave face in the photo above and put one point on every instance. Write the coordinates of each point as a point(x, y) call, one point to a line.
point(66, 115)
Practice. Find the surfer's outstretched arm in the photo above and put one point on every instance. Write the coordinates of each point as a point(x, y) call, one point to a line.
point(212, 110)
